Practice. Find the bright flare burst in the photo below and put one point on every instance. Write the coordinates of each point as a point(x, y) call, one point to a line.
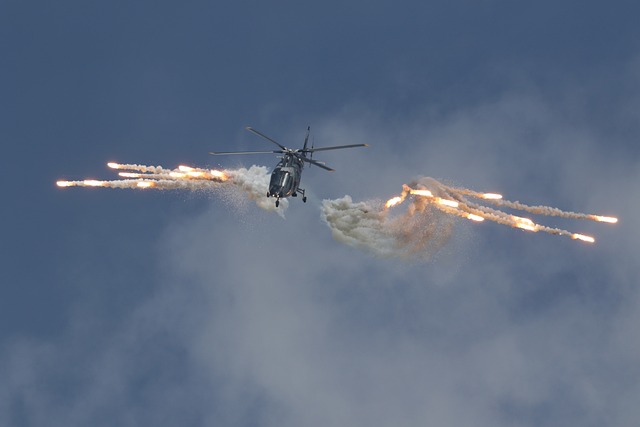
point(582, 237)
point(474, 217)
point(141, 176)
point(391, 202)
point(455, 201)
point(492, 196)
point(234, 185)
point(609, 219)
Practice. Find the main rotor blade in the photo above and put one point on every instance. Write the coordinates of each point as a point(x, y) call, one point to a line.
point(320, 165)
point(250, 129)
point(219, 153)
point(336, 147)
point(306, 138)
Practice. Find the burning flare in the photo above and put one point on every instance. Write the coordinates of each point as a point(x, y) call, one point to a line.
point(252, 182)
point(156, 177)
point(582, 237)
point(454, 201)
point(609, 219)
point(474, 217)
point(390, 203)
point(492, 196)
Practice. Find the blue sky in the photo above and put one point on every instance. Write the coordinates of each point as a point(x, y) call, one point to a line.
point(130, 308)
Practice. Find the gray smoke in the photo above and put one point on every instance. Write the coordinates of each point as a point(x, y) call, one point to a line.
point(418, 233)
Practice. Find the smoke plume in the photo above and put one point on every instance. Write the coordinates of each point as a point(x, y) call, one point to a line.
point(427, 223)
point(251, 183)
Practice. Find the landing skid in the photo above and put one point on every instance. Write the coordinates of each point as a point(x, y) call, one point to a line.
point(304, 198)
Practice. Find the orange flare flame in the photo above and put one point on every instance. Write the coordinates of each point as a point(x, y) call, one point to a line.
point(129, 174)
point(492, 196)
point(145, 184)
point(524, 223)
point(93, 183)
point(522, 220)
point(63, 184)
point(425, 193)
point(526, 226)
point(218, 174)
point(582, 237)
point(113, 165)
point(446, 202)
point(609, 219)
point(393, 201)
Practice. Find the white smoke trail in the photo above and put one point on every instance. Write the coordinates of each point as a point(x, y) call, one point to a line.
point(157, 184)
point(251, 183)
point(496, 199)
point(426, 225)
point(139, 168)
point(549, 211)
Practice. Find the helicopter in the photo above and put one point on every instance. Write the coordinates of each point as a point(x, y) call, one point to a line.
point(285, 178)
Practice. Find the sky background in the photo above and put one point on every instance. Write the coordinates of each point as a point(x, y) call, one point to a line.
point(168, 308)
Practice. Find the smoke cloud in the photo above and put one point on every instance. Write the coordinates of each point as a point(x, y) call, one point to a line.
point(420, 232)
point(427, 223)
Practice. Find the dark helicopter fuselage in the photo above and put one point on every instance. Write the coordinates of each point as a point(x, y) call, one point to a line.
point(285, 178)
